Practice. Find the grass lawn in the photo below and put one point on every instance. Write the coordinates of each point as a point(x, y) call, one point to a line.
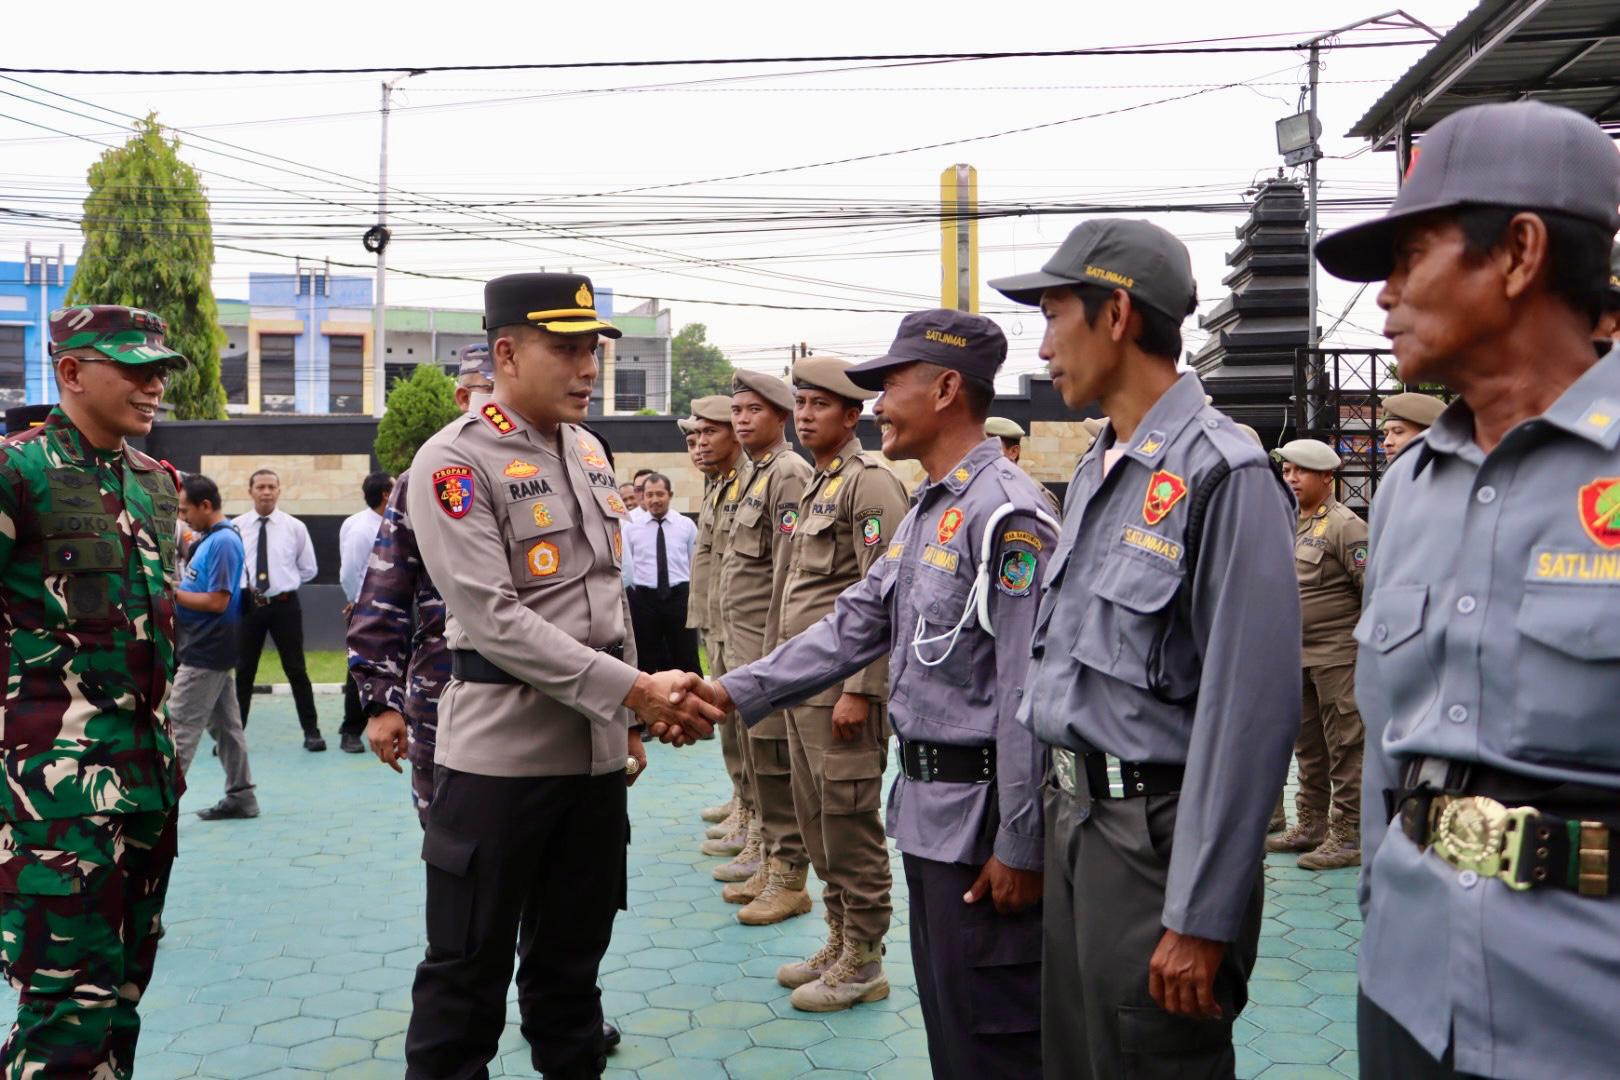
point(324, 667)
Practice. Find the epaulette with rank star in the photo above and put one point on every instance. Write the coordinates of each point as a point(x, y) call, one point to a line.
point(497, 419)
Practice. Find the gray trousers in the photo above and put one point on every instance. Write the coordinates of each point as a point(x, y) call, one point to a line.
point(1106, 865)
point(206, 699)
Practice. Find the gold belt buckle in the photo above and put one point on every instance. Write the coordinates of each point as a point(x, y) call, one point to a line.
point(1063, 766)
point(1472, 832)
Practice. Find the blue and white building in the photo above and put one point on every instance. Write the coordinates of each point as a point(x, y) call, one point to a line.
point(29, 291)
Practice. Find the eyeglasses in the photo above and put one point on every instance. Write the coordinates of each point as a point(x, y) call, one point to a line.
point(139, 374)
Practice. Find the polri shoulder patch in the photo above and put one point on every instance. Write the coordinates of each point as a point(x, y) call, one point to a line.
point(454, 487)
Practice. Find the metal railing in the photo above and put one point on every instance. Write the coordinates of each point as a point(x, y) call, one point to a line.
point(1336, 400)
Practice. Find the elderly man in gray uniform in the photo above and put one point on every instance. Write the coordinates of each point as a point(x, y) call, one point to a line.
point(1489, 661)
point(528, 822)
point(952, 603)
point(1166, 677)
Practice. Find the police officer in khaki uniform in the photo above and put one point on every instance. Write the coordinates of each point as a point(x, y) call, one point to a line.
point(1330, 560)
point(525, 838)
point(721, 450)
point(839, 738)
point(1011, 435)
point(1406, 416)
point(749, 586)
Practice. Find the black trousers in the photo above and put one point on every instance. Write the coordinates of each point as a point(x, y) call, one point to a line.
point(1107, 862)
point(532, 862)
point(662, 638)
point(283, 621)
point(1387, 1049)
point(354, 717)
point(978, 976)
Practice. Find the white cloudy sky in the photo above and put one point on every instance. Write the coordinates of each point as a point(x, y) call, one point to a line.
point(497, 172)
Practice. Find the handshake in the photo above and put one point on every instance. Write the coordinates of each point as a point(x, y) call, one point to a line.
point(678, 707)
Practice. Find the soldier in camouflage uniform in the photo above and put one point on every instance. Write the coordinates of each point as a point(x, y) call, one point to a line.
point(401, 668)
point(87, 810)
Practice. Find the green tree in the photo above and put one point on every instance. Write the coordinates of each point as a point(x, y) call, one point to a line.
point(699, 368)
point(417, 407)
point(148, 242)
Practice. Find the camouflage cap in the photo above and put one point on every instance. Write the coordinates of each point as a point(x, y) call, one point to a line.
point(476, 359)
point(129, 335)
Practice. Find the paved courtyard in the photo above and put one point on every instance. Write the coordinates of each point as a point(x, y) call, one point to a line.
point(292, 940)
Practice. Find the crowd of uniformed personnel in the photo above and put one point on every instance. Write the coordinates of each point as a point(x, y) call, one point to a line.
point(1093, 716)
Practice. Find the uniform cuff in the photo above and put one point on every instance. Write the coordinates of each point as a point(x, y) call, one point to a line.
point(746, 695)
point(1020, 852)
point(603, 687)
point(1209, 925)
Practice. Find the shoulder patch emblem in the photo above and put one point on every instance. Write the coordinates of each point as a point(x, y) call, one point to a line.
point(832, 485)
point(1358, 555)
point(542, 516)
point(1151, 444)
point(616, 504)
point(1165, 489)
point(543, 559)
point(496, 419)
point(590, 453)
point(1599, 504)
point(1021, 536)
point(1017, 575)
point(871, 531)
point(453, 485)
point(962, 475)
point(520, 469)
point(790, 520)
point(949, 522)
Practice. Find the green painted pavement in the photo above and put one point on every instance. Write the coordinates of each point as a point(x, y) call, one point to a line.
point(292, 940)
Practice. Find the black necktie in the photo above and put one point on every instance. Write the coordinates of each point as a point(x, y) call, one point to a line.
point(663, 563)
point(261, 580)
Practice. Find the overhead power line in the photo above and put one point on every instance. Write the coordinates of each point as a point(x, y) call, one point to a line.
point(1020, 54)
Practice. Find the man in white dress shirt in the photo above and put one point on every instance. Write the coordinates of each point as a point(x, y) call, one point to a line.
point(355, 537)
point(280, 559)
point(658, 551)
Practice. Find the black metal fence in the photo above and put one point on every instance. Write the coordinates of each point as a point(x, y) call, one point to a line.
point(1336, 398)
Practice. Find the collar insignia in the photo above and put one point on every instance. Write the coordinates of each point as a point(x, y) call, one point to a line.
point(497, 419)
point(1151, 444)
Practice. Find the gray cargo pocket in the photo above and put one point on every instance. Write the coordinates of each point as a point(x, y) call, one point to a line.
point(1155, 1045)
point(451, 890)
point(1005, 979)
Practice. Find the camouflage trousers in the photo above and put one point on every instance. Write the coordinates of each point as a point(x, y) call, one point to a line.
point(81, 901)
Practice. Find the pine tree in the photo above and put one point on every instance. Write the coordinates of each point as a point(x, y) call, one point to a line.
point(417, 407)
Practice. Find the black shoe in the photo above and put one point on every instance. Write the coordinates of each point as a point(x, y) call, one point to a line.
point(313, 742)
point(226, 808)
point(351, 744)
point(610, 1037)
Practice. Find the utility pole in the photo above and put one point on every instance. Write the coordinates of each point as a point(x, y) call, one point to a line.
point(1313, 331)
point(377, 240)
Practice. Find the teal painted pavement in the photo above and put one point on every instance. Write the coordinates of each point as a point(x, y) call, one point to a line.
point(292, 940)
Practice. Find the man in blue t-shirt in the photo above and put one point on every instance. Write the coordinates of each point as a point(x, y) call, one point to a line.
point(208, 622)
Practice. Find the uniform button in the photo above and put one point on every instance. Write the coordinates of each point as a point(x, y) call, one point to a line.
point(1468, 879)
point(1381, 631)
point(1457, 714)
point(1486, 494)
point(1465, 605)
point(1212, 424)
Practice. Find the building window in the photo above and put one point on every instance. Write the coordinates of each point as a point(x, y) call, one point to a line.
point(396, 373)
point(277, 379)
point(629, 389)
point(233, 375)
point(346, 373)
point(12, 359)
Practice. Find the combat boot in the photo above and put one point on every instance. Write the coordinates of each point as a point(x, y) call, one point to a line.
point(858, 976)
point(1341, 848)
point(721, 812)
point(746, 892)
point(799, 972)
point(1305, 835)
point(750, 859)
point(783, 897)
point(733, 842)
point(1279, 820)
point(732, 823)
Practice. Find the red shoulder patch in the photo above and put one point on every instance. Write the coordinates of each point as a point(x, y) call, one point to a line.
point(453, 487)
point(1164, 490)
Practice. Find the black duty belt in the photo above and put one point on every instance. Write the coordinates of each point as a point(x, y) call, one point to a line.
point(1109, 777)
point(469, 665)
point(928, 762)
point(1482, 821)
point(263, 600)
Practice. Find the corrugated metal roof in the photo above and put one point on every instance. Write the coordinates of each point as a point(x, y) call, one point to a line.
point(1564, 52)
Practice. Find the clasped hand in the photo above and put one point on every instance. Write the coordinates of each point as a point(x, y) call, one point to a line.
point(677, 706)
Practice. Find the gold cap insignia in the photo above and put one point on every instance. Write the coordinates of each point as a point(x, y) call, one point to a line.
point(583, 297)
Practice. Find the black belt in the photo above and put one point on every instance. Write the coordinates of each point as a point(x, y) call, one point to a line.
point(928, 762)
point(1111, 778)
point(469, 665)
point(1527, 833)
point(261, 600)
